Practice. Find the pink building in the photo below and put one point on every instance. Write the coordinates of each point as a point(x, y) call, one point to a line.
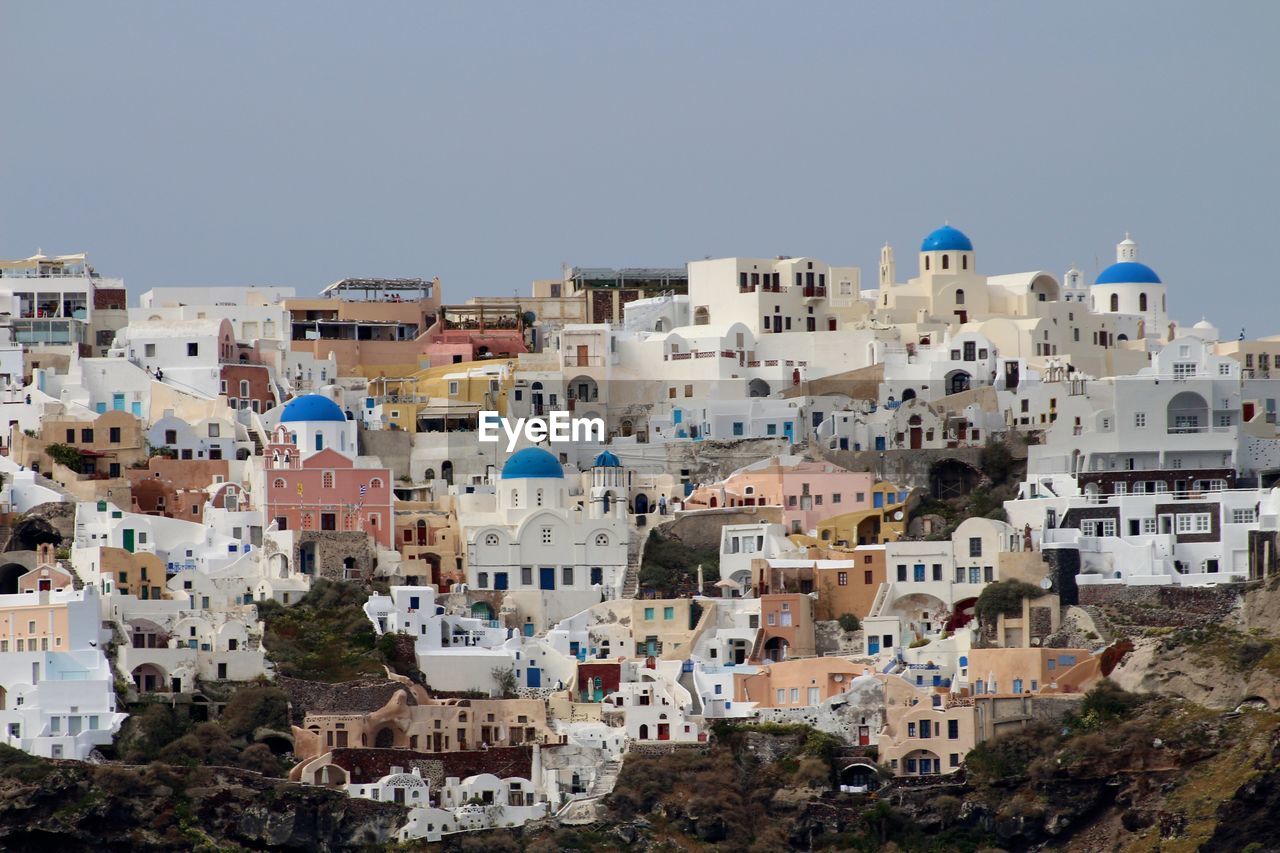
point(470, 332)
point(808, 492)
point(325, 491)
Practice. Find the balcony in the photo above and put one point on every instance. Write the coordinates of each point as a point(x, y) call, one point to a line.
point(815, 292)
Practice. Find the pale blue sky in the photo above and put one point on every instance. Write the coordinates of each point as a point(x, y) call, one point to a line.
point(487, 143)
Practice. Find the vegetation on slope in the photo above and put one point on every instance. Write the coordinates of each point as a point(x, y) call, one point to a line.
point(669, 566)
point(326, 636)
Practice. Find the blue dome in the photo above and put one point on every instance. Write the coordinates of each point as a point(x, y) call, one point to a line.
point(1128, 272)
point(606, 460)
point(532, 463)
point(311, 407)
point(947, 239)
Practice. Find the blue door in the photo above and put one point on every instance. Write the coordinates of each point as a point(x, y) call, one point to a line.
point(597, 575)
point(877, 500)
point(873, 646)
point(528, 629)
point(500, 580)
point(534, 676)
point(546, 578)
point(135, 408)
point(879, 443)
point(117, 402)
point(789, 430)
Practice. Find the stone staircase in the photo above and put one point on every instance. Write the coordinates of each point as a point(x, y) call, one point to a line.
point(686, 681)
point(585, 809)
point(635, 550)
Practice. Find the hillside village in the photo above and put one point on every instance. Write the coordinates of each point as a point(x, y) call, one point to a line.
point(889, 524)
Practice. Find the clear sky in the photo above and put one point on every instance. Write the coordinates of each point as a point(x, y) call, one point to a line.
point(488, 143)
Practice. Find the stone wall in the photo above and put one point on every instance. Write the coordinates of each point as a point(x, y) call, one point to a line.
point(333, 547)
point(700, 529)
point(393, 447)
point(910, 468)
point(1163, 606)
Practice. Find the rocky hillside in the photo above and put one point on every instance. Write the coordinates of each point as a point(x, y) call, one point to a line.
point(69, 806)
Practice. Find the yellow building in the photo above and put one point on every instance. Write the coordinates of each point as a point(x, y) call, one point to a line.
point(446, 397)
point(885, 521)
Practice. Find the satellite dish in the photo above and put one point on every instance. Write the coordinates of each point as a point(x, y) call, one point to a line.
point(1045, 583)
point(897, 516)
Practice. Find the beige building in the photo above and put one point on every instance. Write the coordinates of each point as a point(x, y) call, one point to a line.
point(106, 446)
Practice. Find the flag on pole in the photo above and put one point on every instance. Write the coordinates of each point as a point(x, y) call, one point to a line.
point(364, 490)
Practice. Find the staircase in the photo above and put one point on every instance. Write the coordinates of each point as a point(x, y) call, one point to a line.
point(882, 594)
point(635, 549)
point(257, 441)
point(687, 682)
point(584, 809)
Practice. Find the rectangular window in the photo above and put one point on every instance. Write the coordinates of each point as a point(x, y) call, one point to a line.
point(814, 695)
point(526, 574)
point(1244, 516)
point(988, 574)
point(911, 729)
point(193, 349)
point(937, 571)
point(668, 613)
point(795, 695)
point(1139, 419)
point(953, 729)
point(917, 572)
point(648, 614)
point(566, 575)
point(866, 578)
point(975, 546)
point(842, 578)
point(781, 696)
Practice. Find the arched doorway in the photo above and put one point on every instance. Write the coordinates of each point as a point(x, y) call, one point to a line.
point(385, 738)
point(446, 472)
point(307, 558)
point(149, 678)
point(916, 430)
point(9, 574)
point(642, 504)
point(758, 388)
point(644, 732)
point(775, 650)
point(482, 610)
point(957, 382)
point(701, 316)
point(908, 394)
point(1187, 412)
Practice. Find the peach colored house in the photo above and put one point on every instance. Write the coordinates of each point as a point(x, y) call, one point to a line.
point(927, 731)
point(801, 683)
point(371, 326)
point(327, 492)
point(808, 492)
point(845, 581)
point(1030, 670)
point(786, 627)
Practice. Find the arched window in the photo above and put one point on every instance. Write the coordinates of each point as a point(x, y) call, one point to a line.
point(375, 483)
point(926, 261)
point(279, 483)
point(1115, 302)
point(326, 481)
point(244, 387)
point(964, 262)
point(537, 498)
point(1142, 302)
point(946, 262)
point(959, 297)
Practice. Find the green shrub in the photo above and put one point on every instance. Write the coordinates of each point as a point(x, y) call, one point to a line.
point(1003, 597)
point(849, 623)
point(253, 707)
point(66, 455)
